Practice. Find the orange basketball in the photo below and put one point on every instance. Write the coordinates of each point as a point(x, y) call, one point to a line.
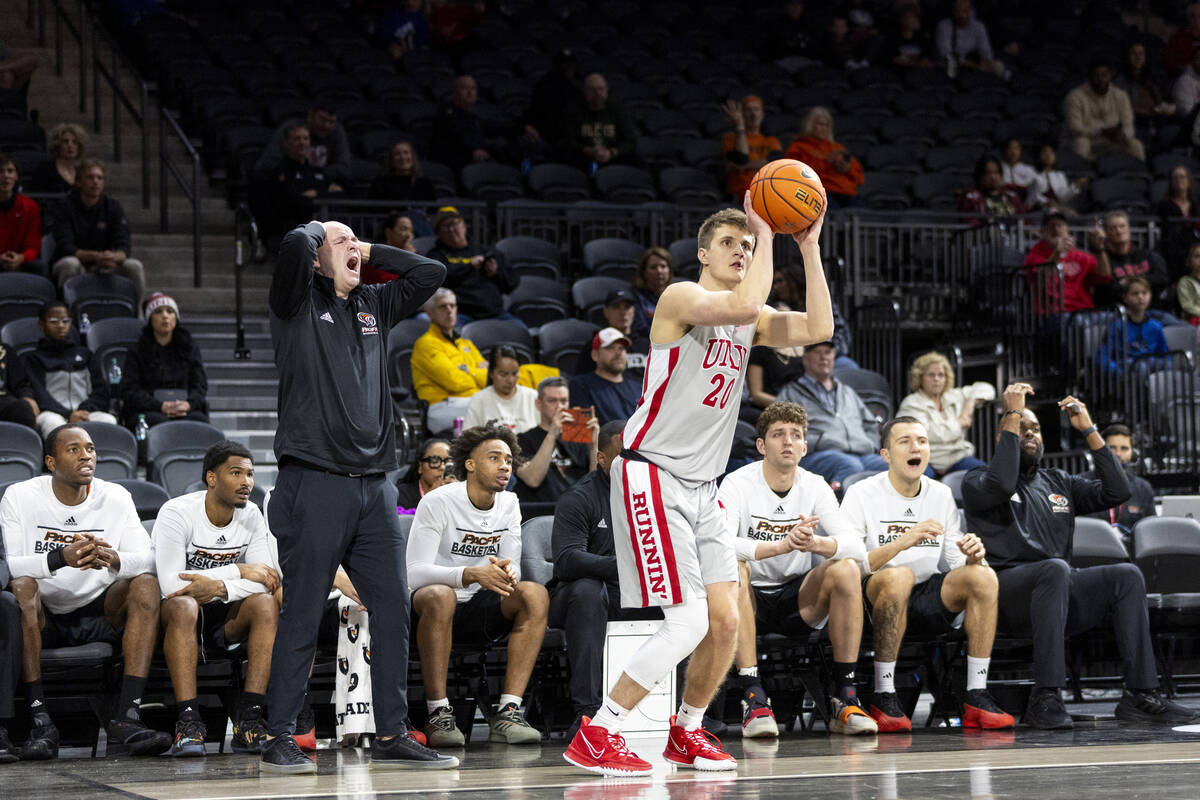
point(788, 195)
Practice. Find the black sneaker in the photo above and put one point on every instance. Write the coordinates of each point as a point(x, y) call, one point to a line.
point(249, 731)
point(1046, 711)
point(1138, 705)
point(8, 753)
point(190, 734)
point(404, 752)
point(282, 754)
point(42, 744)
point(133, 737)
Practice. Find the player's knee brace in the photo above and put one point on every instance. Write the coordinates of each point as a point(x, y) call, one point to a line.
point(683, 628)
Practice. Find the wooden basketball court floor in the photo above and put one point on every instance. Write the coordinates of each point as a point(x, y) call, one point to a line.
point(1098, 760)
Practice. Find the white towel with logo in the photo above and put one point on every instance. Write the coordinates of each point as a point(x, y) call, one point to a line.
point(352, 687)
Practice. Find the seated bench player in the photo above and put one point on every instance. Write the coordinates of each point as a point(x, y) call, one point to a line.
point(10, 659)
point(214, 562)
point(777, 507)
point(923, 573)
point(83, 571)
point(464, 570)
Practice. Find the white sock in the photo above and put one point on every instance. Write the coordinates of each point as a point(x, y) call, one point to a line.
point(505, 699)
point(690, 717)
point(748, 672)
point(885, 677)
point(610, 716)
point(434, 705)
point(977, 672)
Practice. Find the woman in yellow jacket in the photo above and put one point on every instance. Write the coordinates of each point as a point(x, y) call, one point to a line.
point(446, 368)
point(840, 172)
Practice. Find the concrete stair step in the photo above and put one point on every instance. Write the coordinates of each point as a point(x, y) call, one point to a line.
point(255, 440)
point(244, 387)
point(250, 403)
point(237, 371)
point(246, 420)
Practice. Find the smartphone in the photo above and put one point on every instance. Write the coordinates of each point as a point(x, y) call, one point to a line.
point(577, 429)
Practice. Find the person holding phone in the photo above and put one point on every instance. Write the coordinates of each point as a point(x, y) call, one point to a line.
point(554, 464)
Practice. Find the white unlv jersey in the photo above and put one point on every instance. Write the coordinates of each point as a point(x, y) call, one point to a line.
point(691, 393)
point(880, 514)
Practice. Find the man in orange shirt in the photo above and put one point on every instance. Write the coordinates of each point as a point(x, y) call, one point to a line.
point(745, 148)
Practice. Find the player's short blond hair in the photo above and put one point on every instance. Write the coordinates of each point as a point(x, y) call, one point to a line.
point(790, 413)
point(922, 364)
point(726, 216)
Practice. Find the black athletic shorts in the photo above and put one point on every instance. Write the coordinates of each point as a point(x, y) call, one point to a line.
point(776, 609)
point(210, 624)
point(479, 619)
point(926, 614)
point(84, 625)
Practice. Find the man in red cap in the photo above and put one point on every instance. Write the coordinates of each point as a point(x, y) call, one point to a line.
point(613, 393)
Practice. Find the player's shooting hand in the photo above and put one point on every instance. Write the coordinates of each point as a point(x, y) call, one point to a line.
point(924, 531)
point(758, 226)
point(972, 547)
point(261, 573)
point(200, 588)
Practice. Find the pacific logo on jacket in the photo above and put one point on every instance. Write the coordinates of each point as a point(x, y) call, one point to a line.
point(368, 323)
point(1061, 505)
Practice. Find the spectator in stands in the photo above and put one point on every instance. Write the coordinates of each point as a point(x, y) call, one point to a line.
point(776, 505)
point(164, 375)
point(909, 45)
point(788, 293)
point(401, 180)
point(68, 145)
point(478, 275)
point(621, 313)
point(841, 173)
point(396, 231)
point(991, 198)
point(446, 368)
point(586, 595)
point(20, 224)
point(1050, 186)
point(842, 433)
point(771, 368)
point(945, 411)
point(1186, 89)
point(916, 582)
point(327, 148)
point(745, 148)
point(1181, 45)
point(600, 132)
point(1025, 514)
point(1140, 504)
point(10, 655)
point(553, 465)
point(91, 233)
point(838, 48)
point(1175, 212)
point(791, 34)
point(68, 380)
point(1082, 272)
point(1133, 340)
point(1188, 287)
point(459, 137)
point(213, 557)
point(287, 196)
point(433, 469)
point(962, 41)
point(1013, 171)
point(405, 29)
point(1144, 85)
point(452, 25)
point(464, 570)
point(608, 389)
point(77, 588)
point(503, 401)
point(555, 98)
point(1099, 116)
point(654, 273)
point(16, 394)
point(1127, 262)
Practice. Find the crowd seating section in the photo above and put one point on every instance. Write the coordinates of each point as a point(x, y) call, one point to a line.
point(20, 452)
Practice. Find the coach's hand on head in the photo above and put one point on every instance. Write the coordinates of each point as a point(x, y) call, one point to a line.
point(200, 588)
point(261, 573)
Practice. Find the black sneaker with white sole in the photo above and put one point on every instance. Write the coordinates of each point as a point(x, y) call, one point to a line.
point(134, 737)
point(404, 752)
point(284, 756)
point(1139, 705)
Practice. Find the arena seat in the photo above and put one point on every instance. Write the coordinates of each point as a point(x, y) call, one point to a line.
point(588, 295)
point(689, 186)
point(537, 555)
point(21, 335)
point(955, 481)
point(1095, 543)
point(618, 183)
point(559, 183)
point(531, 256)
point(537, 301)
point(491, 182)
point(175, 450)
point(20, 452)
point(100, 296)
point(116, 450)
point(612, 256)
point(488, 333)
point(872, 387)
point(560, 342)
point(114, 337)
point(23, 295)
point(147, 497)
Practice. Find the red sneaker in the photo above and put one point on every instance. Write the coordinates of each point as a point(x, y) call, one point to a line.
point(597, 750)
point(417, 736)
point(306, 730)
point(888, 714)
point(981, 711)
point(694, 749)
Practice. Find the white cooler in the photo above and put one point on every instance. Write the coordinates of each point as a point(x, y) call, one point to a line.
point(653, 714)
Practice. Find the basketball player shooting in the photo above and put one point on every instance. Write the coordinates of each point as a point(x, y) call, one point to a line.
point(674, 547)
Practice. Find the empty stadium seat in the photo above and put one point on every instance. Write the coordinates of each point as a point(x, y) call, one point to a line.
point(684, 256)
point(113, 338)
point(100, 296)
point(21, 335)
point(531, 256)
point(850, 480)
point(559, 183)
point(23, 295)
point(1167, 551)
point(955, 480)
point(20, 452)
point(537, 555)
point(689, 186)
point(487, 333)
point(116, 450)
point(148, 497)
point(871, 386)
point(1096, 543)
point(615, 257)
point(538, 300)
point(560, 342)
point(175, 452)
point(491, 182)
point(1120, 192)
point(622, 184)
point(886, 190)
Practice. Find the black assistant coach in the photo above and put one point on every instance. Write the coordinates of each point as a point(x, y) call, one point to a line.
point(332, 504)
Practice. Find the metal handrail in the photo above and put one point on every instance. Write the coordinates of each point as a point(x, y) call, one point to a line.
point(112, 76)
point(245, 233)
point(192, 191)
point(63, 20)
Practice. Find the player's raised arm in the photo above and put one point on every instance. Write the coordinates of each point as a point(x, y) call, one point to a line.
point(735, 254)
point(815, 323)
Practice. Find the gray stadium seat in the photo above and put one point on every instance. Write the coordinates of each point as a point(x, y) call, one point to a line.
point(537, 555)
point(616, 257)
point(538, 300)
point(1167, 551)
point(114, 337)
point(560, 342)
point(175, 451)
point(955, 480)
point(22, 295)
point(21, 334)
point(20, 452)
point(1096, 543)
point(622, 184)
point(100, 296)
point(492, 182)
point(559, 183)
point(871, 387)
point(487, 333)
point(147, 497)
point(116, 450)
point(588, 295)
point(531, 256)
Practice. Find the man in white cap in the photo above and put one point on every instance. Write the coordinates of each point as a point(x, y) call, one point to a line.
point(608, 389)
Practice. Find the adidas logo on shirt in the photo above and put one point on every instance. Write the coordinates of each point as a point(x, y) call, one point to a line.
point(327, 317)
point(908, 512)
point(601, 524)
point(221, 539)
point(779, 509)
point(70, 521)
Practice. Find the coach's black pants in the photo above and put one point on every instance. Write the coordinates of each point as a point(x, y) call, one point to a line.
point(1049, 601)
point(10, 651)
point(582, 608)
point(320, 521)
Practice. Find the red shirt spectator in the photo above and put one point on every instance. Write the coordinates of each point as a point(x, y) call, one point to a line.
point(1081, 271)
point(1178, 52)
point(20, 221)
